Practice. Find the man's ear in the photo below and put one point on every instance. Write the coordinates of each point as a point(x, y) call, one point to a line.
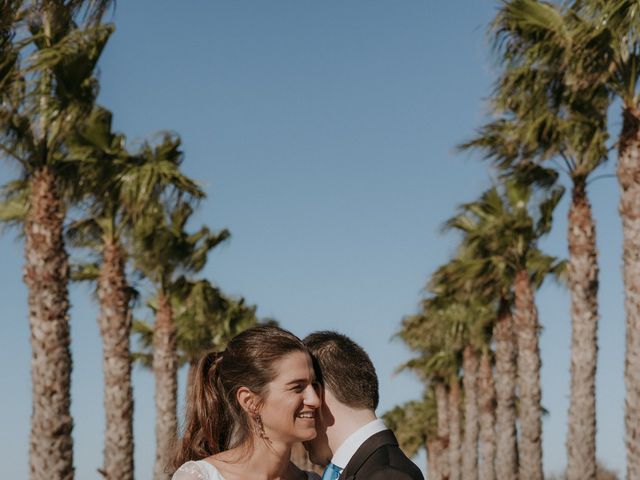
point(248, 400)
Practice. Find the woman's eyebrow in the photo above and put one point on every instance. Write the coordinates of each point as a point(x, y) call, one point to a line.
point(299, 380)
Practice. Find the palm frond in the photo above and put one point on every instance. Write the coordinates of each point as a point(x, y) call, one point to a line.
point(14, 202)
point(85, 272)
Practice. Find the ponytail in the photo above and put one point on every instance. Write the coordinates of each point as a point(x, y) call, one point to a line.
point(207, 422)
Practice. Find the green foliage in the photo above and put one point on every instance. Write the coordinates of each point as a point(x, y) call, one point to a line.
point(413, 423)
point(205, 319)
point(617, 25)
point(119, 186)
point(502, 230)
point(14, 203)
point(551, 98)
point(44, 96)
point(82, 272)
point(163, 250)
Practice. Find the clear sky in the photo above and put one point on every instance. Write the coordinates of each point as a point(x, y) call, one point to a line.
point(324, 135)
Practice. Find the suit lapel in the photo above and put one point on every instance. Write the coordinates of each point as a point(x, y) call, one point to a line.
point(385, 437)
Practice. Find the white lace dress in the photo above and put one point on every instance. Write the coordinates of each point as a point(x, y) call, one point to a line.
point(200, 470)
point(203, 470)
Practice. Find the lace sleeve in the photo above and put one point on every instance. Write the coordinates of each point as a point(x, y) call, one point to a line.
point(189, 471)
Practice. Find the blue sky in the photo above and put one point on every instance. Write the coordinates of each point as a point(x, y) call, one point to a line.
point(324, 134)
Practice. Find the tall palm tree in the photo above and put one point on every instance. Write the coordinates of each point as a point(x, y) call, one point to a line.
point(471, 426)
point(479, 272)
point(486, 405)
point(435, 366)
point(119, 186)
point(479, 397)
point(447, 333)
point(454, 402)
point(506, 458)
point(472, 317)
point(164, 252)
point(501, 227)
point(553, 107)
point(43, 98)
point(443, 462)
point(616, 24)
point(472, 275)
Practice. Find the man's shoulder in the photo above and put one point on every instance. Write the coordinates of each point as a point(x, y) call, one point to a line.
point(389, 462)
point(390, 473)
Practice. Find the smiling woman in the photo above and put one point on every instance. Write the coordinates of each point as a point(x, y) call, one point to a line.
point(247, 407)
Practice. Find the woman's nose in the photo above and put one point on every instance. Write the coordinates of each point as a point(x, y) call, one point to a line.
point(311, 397)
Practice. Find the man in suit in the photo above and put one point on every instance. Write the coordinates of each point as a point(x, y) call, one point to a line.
point(351, 440)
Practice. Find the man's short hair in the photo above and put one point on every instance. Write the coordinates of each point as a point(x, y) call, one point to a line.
point(344, 368)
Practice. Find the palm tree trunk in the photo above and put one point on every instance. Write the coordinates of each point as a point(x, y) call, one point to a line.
point(433, 453)
point(165, 369)
point(115, 328)
point(191, 376)
point(443, 430)
point(46, 275)
point(470, 379)
point(454, 429)
point(506, 443)
point(628, 177)
point(487, 398)
point(583, 284)
point(527, 331)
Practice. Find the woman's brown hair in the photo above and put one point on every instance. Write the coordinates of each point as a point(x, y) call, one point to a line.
point(214, 420)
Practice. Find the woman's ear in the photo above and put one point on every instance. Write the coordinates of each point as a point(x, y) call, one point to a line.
point(247, 400)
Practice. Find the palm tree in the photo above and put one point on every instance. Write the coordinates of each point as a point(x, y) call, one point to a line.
point(506, 458)
point(472, 317)
point(119, 187)
point(454, 402)
point(415, 424)
point(616, 25)
point(443, 462)
point(553, 106)
point(472, 275)
point(479, 400)
point(164, 251)
point(209, 320)
point(42, 100)
point(435, 364)
point(500, 228)
point(470, 384)
point(205, 319)
point(486, 404)
point(447, 333)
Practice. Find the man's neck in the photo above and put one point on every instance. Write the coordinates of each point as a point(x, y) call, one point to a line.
point(348, 421)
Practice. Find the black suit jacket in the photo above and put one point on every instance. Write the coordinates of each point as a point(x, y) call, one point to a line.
point(380, 458)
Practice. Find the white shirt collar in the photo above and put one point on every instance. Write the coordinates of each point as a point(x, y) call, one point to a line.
point(343, 454)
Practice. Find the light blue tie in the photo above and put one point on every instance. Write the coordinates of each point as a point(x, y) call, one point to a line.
point(332, 472)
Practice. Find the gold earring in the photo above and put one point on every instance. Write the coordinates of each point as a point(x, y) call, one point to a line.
point(259, 426)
